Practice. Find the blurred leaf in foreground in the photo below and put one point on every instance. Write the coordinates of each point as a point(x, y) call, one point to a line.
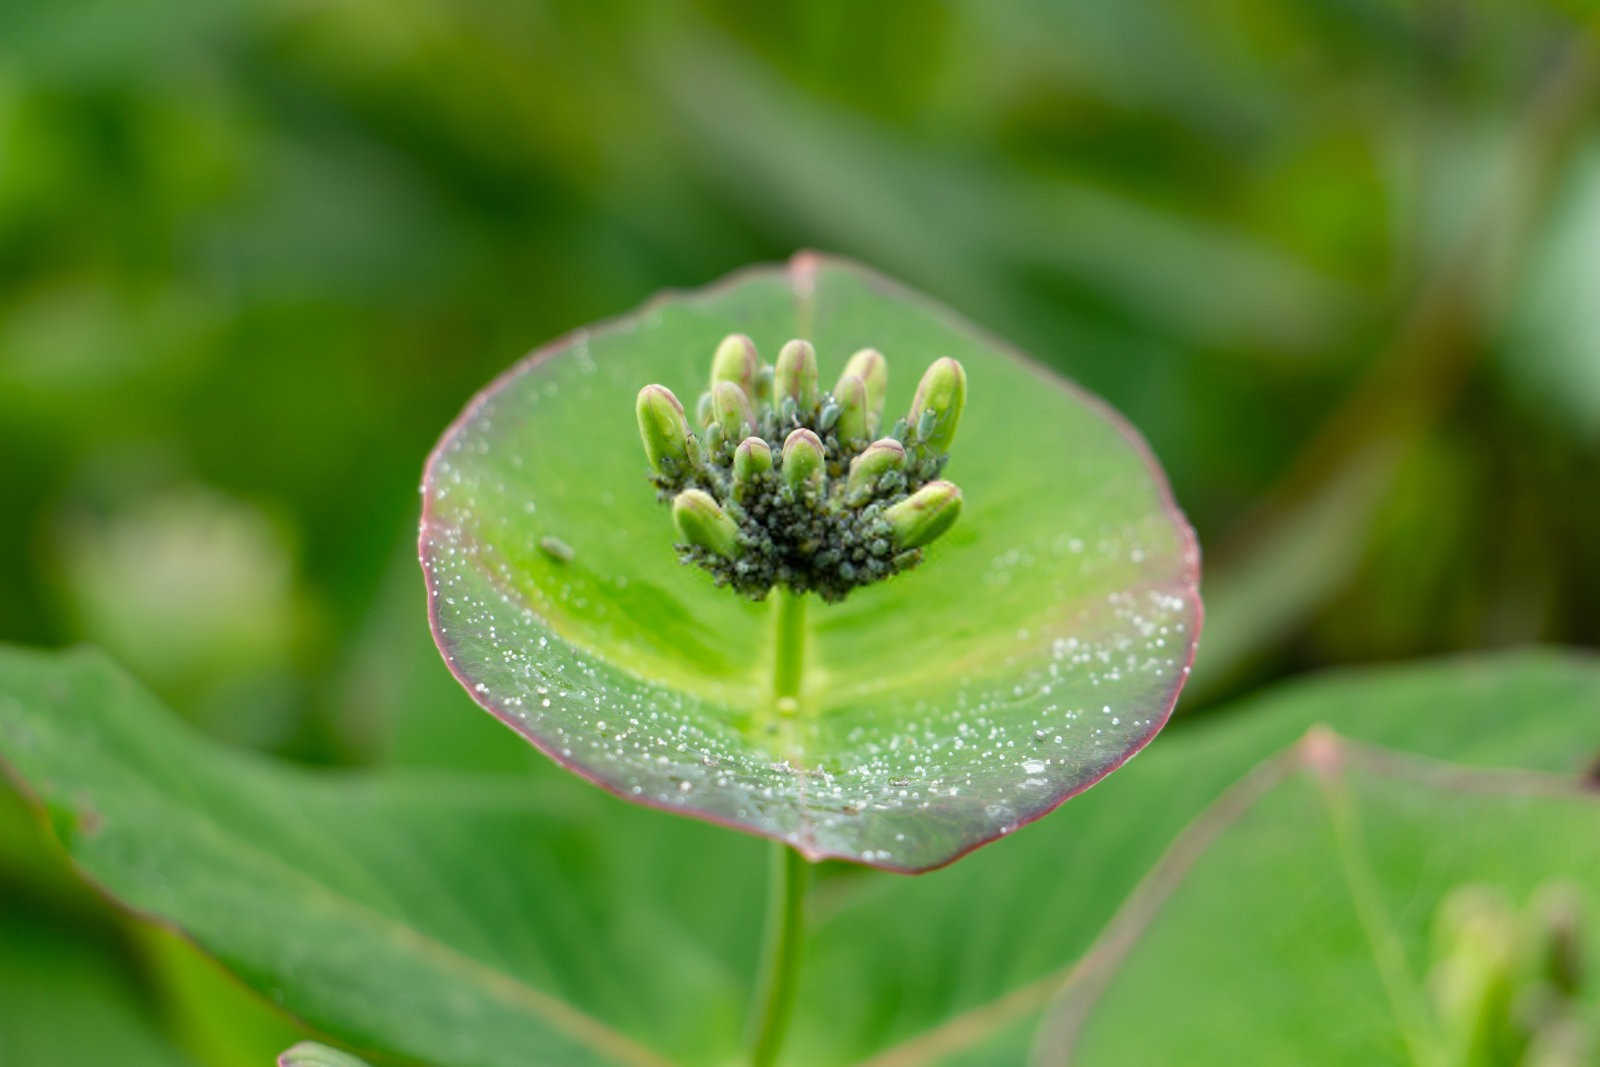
point(483, 921)
point(1307, 924)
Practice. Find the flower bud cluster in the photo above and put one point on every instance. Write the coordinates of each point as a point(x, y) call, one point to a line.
point(787, 484)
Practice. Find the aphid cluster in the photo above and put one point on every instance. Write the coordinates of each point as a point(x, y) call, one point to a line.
point(789, 485)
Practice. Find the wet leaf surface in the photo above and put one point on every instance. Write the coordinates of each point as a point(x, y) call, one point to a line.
point(1042, 642)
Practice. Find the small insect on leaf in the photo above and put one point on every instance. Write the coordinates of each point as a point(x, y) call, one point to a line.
point(557, 549)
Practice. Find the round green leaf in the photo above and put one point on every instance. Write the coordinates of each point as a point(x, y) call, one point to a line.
point(1042, 642)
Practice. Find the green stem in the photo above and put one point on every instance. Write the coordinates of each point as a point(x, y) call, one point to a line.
point(790, 873)
point(780, 958)
point(789, 663)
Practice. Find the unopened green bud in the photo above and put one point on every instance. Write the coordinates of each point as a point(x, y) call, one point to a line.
point(704, 413)
point(851, 397)
point(700, 521)
point(936, 409)
point(924, 515)
point(1472, 981)
point(663, 430)
point(879, 458)
point(763, 391)
point(795, 376)
point(1561, 1041)
point(736, 362)
point(873, 370)
point(1477, 919)
point(802, 460)
point(752, 457)
point(731, 407)
point(1558, 917)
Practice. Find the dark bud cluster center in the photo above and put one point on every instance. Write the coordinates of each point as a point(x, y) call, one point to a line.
point(784, 484)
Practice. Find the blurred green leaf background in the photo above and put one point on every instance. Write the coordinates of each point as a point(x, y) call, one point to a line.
point(1339, 261)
